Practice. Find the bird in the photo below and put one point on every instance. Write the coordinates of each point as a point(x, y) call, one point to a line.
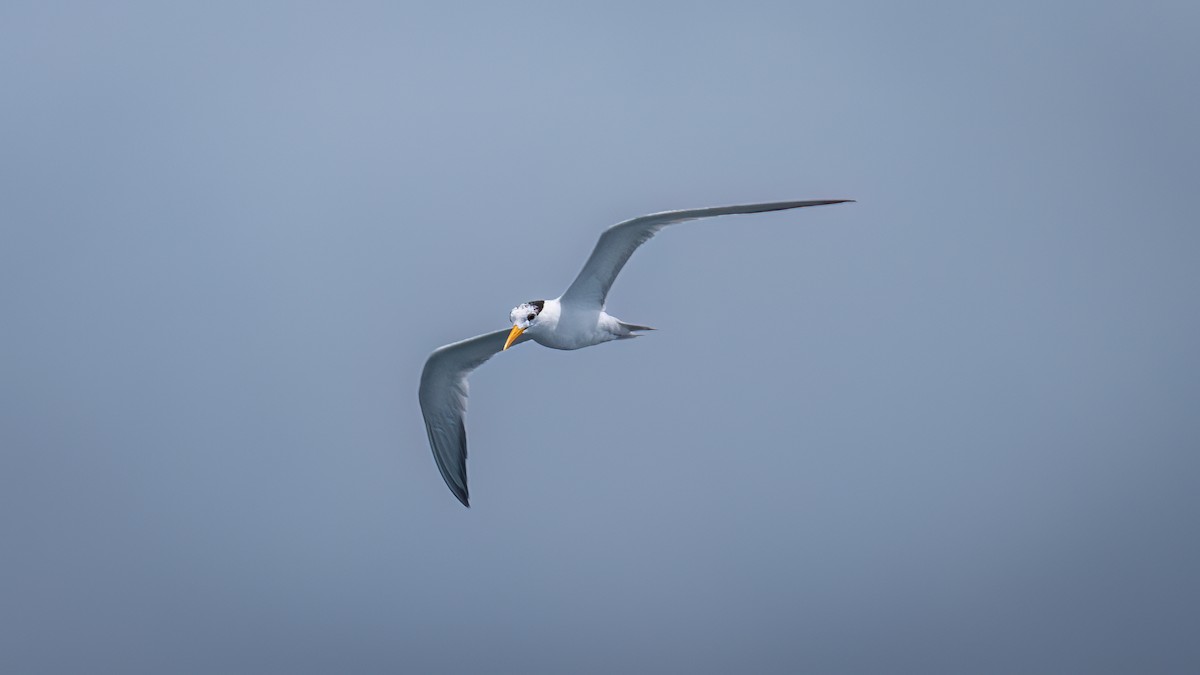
point(574, 320)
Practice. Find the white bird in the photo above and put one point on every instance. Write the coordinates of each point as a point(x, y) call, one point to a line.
point(573, 320)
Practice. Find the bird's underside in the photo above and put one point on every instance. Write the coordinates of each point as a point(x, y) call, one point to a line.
point(572, 321)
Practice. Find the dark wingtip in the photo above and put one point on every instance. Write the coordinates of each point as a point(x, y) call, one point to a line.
point(460, 493)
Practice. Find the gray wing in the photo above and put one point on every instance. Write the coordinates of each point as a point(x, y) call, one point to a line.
point(443, 396)
point(617, 243)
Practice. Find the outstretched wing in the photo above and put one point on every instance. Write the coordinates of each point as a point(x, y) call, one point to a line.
point(443, 396)
point(590, 288)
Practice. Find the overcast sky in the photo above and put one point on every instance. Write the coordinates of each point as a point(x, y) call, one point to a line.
point(951, 428)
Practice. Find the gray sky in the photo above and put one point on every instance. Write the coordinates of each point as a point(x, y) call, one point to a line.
point(950, 428)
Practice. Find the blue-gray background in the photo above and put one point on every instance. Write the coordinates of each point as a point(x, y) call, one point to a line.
point(950, 428)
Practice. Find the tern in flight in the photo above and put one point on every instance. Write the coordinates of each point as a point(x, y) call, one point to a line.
point(574, 320)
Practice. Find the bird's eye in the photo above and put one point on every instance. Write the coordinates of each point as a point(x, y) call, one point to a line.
point(530, 317)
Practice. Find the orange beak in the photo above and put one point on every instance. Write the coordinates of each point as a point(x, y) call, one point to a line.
point(513, 335)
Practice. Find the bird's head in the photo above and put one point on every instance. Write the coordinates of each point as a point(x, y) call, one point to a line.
point(522, 317)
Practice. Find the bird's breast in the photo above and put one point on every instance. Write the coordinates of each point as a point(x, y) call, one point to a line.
point(574, 331)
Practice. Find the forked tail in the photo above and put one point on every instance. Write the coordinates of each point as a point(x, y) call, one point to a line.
point(633, 327)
